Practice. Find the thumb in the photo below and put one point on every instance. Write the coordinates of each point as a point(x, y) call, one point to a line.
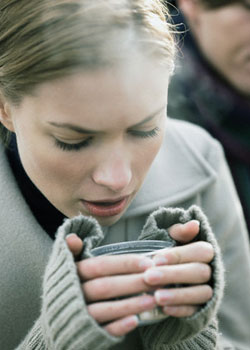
point(185, 233)
point(75, 244)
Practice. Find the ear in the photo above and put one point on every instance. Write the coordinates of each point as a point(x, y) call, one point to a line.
point(191, 9)
point(5, 114)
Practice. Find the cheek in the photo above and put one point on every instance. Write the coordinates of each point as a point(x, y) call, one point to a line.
point(146, 154)
point(219, 34)
point(50, 170)
point(212, 42)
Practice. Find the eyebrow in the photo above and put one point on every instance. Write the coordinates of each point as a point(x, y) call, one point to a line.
point(81, 130)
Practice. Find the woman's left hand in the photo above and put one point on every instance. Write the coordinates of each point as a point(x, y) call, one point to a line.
point(186, 265)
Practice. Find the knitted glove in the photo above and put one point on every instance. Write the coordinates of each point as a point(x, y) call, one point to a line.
point(64, 323)
point(200, 330)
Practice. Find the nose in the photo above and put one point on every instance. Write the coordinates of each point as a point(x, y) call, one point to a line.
point(114, 173)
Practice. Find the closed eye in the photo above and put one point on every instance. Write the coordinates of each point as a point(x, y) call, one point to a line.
point(85, 143)
point(144, 134)
point(73, 146)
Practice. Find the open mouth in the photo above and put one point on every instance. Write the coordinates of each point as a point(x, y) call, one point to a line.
point(106, 208)
point(105, 204)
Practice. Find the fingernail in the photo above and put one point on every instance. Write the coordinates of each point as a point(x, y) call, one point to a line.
point(145, 263)
point(196, 221)
point(153, 276)
point(71, 234)
point(163, 296)
point(170, 310)
point(147, 301)
point(160, 260)
point(131, 322)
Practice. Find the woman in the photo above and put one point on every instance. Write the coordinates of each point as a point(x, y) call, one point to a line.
point(83, 103)
point(215, 67)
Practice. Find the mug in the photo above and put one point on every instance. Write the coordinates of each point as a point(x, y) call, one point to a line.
point(148, 248)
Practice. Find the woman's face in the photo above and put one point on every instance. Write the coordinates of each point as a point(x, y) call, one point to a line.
point(87, 141)
point(223, 34)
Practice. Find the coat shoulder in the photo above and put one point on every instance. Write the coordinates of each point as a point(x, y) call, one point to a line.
point(193, 137)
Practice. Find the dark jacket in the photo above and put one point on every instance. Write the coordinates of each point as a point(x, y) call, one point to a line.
point(200, 95)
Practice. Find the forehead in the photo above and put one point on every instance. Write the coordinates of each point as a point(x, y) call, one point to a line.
point(123, 77)
point(133, 91)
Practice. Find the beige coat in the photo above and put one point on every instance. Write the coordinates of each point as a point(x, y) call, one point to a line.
point(189, 169)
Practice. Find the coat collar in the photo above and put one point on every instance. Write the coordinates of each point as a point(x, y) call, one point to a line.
point(20, 229)
point(179, 171)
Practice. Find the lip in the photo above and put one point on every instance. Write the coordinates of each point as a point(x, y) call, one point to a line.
point(105, 208)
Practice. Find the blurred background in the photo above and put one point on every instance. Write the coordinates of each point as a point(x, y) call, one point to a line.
point(211, 84)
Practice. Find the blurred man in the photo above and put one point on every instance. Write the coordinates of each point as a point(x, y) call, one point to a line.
point(211, 86)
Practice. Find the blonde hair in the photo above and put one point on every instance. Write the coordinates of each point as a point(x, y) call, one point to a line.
point(43, 40)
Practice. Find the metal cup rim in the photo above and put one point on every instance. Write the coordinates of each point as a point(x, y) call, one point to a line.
point(128, 247)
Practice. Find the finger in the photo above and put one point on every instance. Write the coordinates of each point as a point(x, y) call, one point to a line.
point(180, 311)
point(195, 295)
point(112, 265)
point(192, 273)
point(198, 251)
point(105, 288)
point(123, 326)
point(184, 233)
point(75, 244)
point(111, 310)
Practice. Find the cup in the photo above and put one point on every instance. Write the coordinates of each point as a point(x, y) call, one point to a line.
point(148, 248)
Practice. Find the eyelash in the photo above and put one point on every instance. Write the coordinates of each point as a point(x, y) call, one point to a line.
point(145, 134)
point(78, 146)
point(73, 146)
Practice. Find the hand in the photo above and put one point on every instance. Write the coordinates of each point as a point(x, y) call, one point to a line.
point(186, 264)
point(107, 277)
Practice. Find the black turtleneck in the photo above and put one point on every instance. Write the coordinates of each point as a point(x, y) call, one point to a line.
point(45, 213)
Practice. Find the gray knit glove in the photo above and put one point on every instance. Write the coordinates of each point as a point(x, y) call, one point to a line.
point(64, 323)
point(200, 330)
